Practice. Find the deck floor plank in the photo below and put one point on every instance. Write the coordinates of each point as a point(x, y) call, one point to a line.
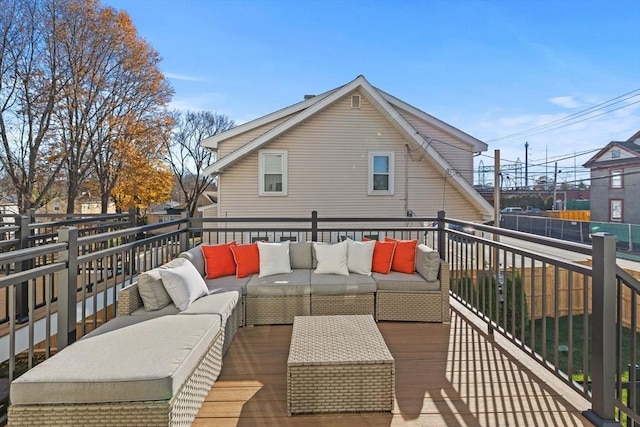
point(446, 375)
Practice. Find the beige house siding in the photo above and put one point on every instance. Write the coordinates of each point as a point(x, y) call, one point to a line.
point(328, 168)
point(449, 147)
point(230, 145)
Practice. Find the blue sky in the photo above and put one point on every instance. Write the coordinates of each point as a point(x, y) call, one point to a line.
point(490, 68)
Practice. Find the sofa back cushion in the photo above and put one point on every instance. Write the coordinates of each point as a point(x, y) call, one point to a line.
point(427, 262)
point(152, 291)
point(196, 257)
point(300, 255)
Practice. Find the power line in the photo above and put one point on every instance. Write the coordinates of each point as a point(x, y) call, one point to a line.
point(569, 120)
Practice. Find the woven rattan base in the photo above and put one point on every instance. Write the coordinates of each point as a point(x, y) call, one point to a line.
point(339, 364)
point(342, 304)
point(179, 411)
point(275, 310)
point(409, 306)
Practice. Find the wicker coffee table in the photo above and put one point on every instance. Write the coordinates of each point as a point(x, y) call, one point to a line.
point(338, 364)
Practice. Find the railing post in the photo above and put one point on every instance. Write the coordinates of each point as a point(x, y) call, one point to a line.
point(441, 235)
point(603, 332)
point(67, 287)
point(132, 238)
point(314, 226)
point(184, 235)
point(22, 290)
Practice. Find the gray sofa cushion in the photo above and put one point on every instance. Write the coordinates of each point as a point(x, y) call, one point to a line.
point(221, 303)
point(427, 262)
point(196, 257)
point(227, 283)
point(152, 291)
point(294, 283)
point(300, 255)
point(170, 309)
point(403, 282)
point(148, 360)
point(332, 284)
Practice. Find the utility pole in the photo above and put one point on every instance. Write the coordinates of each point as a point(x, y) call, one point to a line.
point(526, 165)
point(555, 181)
point(496, 188)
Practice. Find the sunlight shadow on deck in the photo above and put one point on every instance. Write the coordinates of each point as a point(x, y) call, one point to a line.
point(446, 376)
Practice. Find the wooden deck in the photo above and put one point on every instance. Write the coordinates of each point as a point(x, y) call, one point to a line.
point(446, 375)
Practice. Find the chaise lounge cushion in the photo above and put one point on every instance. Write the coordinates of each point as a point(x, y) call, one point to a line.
point(294, 283)
point(404, 282)
point(148, 360)
point(331, 284)
point(221, 303)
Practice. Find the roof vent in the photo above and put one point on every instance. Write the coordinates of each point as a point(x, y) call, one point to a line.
point(355, 101)
point(309, 97)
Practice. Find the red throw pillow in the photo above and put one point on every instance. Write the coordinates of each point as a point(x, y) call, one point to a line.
point(382, 256)
point(218, 260)
point(404, 257)
point(247, 259)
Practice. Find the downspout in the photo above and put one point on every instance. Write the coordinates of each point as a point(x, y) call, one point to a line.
point(406, 180)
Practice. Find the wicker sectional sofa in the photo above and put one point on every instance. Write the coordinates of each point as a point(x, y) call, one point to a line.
point(155, 364)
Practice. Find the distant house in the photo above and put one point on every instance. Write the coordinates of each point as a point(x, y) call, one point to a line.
point(354, 151)
point(615, 180)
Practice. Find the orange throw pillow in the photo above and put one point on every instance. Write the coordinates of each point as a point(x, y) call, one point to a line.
point(247, 259)
point(382, 256)
point(404, 257)
point(218, 260)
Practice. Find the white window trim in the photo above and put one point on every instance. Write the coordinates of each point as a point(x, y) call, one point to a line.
point(370, 190)
point(261, 156)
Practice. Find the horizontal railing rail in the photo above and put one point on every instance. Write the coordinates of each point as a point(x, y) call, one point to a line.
point(547, 296)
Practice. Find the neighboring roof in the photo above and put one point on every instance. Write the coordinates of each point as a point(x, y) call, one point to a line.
point(631, 148)
point(385, 104)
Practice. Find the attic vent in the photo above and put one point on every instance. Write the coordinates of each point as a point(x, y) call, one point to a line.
point(615, 154)
point(309, 96)
point(355, 101)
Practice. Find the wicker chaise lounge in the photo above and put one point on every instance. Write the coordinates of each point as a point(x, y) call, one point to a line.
point(130, 371)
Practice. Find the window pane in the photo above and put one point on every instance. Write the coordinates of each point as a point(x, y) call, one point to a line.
point(273, 164)
point(616, 210)
point(380, 182)
point(272, 182)
point(616, 179)
point(380, 164)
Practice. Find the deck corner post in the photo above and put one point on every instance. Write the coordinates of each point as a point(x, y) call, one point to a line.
point(314, 226)
point(603, 332)
point(184, 232)
point(441, 236)
point(67, 287)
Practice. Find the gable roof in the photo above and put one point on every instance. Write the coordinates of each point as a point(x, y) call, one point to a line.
point(631, 147)
point(383, 102)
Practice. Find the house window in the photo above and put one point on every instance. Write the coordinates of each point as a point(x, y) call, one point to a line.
point(273, 172)
point(616, 178)
point(355, 101)
point(381, 172)
point(616, 210)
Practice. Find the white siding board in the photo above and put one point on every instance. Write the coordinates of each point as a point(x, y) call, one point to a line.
point(230, 145)
point(457, 153)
